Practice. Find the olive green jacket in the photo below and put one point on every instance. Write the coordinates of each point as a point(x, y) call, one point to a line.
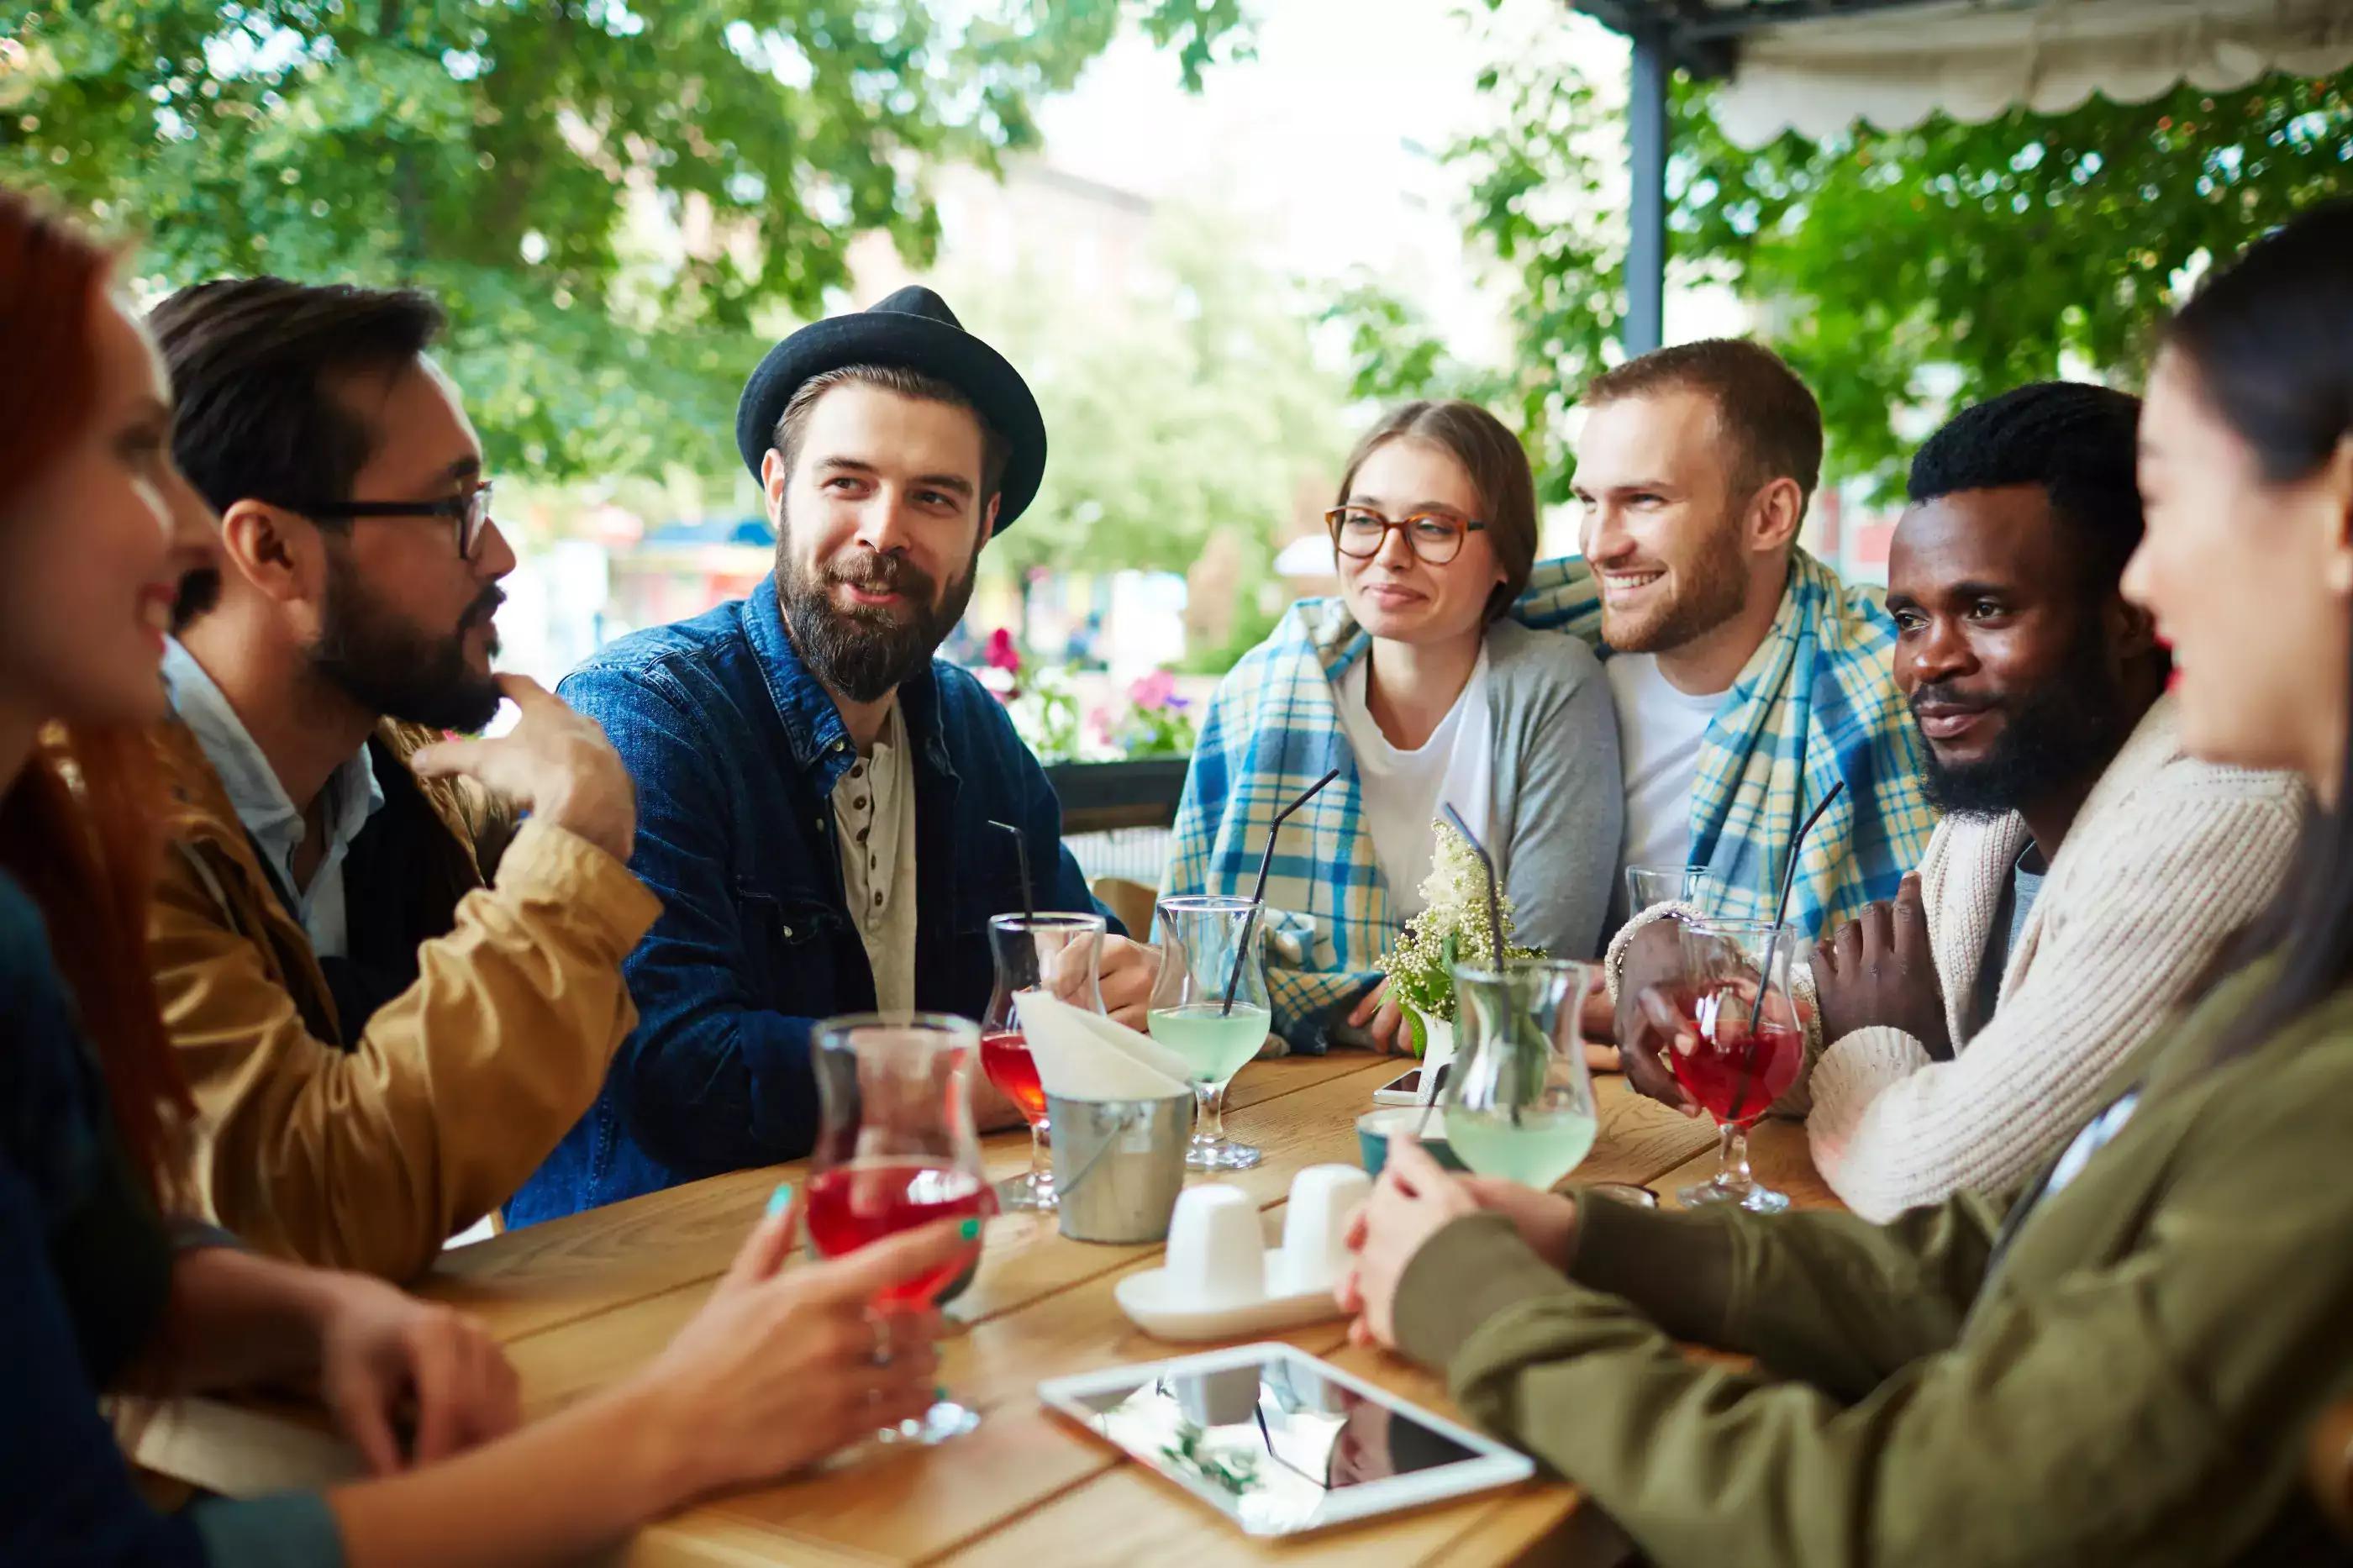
point(2130, 1379)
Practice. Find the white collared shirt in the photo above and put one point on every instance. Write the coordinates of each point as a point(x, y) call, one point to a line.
point(269, 816)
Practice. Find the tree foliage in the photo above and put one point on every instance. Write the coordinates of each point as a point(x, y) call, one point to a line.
point(1894, 269)
point(617, 198)
point(1168, 424)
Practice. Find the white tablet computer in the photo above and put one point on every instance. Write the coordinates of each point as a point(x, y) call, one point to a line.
point(1278, 1441)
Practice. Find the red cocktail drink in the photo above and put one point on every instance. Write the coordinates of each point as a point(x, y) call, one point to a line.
point(1737, 1072)
point(851, 1206)
point(1004, 1058)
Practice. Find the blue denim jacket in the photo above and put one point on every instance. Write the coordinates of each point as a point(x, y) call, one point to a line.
point(735, 749)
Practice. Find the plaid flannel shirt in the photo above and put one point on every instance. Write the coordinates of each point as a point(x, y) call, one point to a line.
point(1273, 729)
point(1816, 704)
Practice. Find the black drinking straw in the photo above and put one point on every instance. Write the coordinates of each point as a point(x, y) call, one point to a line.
point(1773, 938)
point(1257, 894)
point(1021, 856)
point(1790, 871)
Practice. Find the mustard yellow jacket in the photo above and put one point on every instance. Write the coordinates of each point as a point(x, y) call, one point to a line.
point(366, 1144)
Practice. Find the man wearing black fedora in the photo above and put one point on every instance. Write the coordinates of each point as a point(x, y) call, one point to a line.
point(814, 790)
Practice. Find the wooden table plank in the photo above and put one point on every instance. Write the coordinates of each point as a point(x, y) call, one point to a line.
point(600, 1260)
point(585, 1299)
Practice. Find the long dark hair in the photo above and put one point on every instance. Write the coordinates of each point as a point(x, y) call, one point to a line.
point(77, 825)
point(2271, 341)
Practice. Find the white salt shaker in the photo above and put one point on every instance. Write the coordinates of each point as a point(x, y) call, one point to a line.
point(1314, 1225)
point(1217, 1253)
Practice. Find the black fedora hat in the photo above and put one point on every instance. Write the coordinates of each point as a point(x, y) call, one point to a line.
point(914, 329)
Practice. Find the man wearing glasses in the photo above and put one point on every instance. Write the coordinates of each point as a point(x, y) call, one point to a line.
point(388, 1000)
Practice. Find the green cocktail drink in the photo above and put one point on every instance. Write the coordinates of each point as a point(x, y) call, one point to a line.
point(1214, 1042)
point(1536, 1149)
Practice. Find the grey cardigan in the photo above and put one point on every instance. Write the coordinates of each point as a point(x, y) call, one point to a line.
point(1559, 810)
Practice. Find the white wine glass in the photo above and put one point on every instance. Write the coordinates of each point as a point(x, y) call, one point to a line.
point(1209, 1007)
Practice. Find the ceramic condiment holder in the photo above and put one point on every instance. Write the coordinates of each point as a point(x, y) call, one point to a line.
point(1222, 1280)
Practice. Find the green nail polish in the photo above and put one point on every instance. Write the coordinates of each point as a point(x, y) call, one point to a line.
point(969, 1230)
point(939, 1392)
point(780, 1199)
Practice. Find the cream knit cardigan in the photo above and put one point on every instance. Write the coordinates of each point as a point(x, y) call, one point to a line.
point(2168, 859)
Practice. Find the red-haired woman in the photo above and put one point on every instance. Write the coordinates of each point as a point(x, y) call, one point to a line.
point(780, 1368)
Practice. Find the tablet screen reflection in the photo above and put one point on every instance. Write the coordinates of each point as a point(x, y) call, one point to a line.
point(1271, 1439)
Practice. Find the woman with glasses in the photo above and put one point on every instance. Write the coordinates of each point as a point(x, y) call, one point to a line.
point(2123, 1362)
point(784, 1364)
point(1415, 688)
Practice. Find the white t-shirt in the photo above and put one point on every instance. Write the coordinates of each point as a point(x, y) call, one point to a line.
point(1402, 791)
point(1659, 732)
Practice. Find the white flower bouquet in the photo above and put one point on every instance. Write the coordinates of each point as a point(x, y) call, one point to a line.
point(1452, 929)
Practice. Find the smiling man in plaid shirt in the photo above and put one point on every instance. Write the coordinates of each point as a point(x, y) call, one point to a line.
point(1748, 680)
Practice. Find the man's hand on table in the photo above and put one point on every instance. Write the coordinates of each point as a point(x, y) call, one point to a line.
point(1878, 969)
point(1382, 1018)
point(1646, 1024)
point(1597, 1024)
point(1413, 1200)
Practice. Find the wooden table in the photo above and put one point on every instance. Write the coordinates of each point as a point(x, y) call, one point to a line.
point(583, 1300)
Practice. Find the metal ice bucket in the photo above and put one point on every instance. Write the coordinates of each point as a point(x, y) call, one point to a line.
point(1119, 1165)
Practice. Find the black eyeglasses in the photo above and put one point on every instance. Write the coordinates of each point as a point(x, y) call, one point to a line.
point(470, 513)
point(1361, 533)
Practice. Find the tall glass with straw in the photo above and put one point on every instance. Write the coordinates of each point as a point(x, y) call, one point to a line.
point(1059, 954)
point(1210, 1004)
point(1738, 1044)
point(1209, 1007)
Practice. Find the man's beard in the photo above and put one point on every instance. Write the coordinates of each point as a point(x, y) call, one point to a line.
point(1712, 590)
point(867, 651)
point(2061, 733)
point(388, 667)
point(199, 591)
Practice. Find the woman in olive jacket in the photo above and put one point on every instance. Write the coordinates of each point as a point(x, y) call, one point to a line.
point(2121, 1364)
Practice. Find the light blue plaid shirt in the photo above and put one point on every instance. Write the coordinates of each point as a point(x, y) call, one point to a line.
point(1817, 704)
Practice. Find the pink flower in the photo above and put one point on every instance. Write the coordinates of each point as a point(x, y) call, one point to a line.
point(1158, 689)
point(1002, 654)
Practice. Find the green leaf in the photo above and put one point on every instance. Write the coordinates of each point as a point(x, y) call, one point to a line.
point(1895, 270)
point(619, 204)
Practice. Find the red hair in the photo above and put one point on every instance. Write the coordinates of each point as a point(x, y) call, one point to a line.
point(79, 827)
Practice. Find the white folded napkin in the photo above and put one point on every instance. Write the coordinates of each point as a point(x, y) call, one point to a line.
point(1086, 1056)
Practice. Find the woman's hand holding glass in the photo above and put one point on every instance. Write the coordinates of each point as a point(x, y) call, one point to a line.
point(1416, 1198)
point(784, 1365)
